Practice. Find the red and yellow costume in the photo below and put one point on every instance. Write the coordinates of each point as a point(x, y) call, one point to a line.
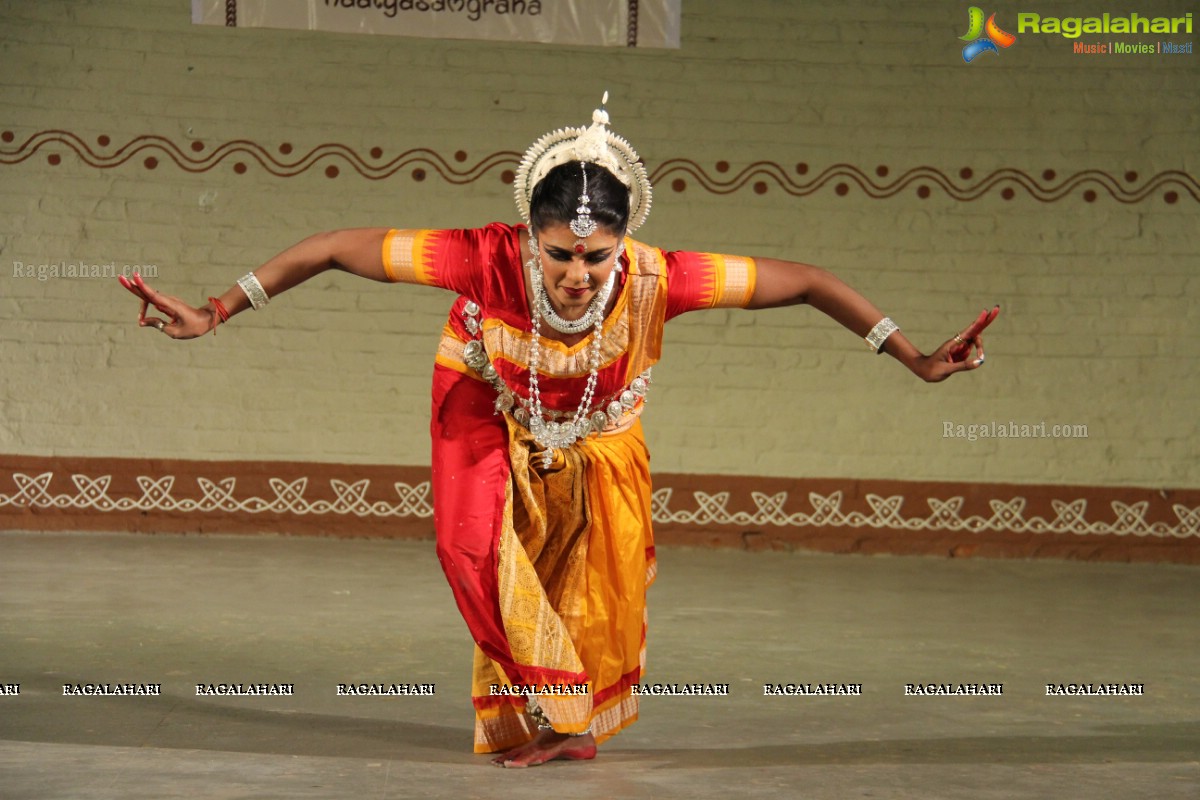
point(549, 566)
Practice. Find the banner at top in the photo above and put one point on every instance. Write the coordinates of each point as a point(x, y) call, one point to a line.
point(603, 23)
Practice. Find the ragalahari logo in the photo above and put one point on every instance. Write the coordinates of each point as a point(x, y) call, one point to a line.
point(982, 37)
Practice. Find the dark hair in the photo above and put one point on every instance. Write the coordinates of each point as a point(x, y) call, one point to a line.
point(556, 197)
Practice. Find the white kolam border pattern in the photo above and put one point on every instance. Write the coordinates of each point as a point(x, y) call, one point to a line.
point(414, 501)
point(219, 496)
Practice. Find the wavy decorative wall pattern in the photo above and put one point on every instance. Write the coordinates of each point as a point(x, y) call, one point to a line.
point(677, 174)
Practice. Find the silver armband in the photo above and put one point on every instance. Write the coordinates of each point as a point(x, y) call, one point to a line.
point(879, 334)
point(254, 291)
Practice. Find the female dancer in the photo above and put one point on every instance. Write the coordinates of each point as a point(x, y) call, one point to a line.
point(541, 477)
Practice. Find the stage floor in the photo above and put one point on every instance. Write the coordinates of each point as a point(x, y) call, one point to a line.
point(183, 611)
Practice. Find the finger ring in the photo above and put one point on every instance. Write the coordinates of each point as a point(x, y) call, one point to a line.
point(158, 323)
point(958, 338)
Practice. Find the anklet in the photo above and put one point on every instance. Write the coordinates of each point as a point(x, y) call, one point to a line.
point(543, 722)
point(534, 710)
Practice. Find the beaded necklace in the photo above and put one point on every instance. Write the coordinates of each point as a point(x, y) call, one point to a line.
point(554, 429)
point(553, 435)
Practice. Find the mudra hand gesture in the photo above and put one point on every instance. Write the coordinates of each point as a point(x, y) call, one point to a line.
point(183, 321)
point(955, 353)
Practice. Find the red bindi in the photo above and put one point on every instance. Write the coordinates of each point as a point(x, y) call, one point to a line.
point(579, 248)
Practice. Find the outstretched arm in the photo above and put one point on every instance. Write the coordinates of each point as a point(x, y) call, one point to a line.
point(786, 283)
point(356, 250)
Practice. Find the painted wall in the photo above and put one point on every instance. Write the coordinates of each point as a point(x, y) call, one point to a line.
point(850, 135)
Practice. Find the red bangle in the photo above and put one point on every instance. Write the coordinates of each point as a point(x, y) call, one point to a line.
point(222, 312)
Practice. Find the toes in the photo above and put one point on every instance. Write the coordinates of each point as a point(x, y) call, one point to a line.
point(536, 753)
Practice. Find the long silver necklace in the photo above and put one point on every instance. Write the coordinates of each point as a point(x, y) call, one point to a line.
point(559, 435)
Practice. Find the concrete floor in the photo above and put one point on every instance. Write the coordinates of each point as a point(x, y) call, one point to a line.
point(315, 612)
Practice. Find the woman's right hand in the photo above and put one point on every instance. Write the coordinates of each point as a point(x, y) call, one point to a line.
point(183, 321)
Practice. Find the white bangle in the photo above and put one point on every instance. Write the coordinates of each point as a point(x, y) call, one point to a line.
point(879, 334)
point(254, 291)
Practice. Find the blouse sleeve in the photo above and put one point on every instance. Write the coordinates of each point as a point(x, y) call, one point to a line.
point(707, 280)
point(458, 260)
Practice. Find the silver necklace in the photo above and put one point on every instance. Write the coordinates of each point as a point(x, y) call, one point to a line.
point(548, 434)
point(595, 309)
point(553, 430)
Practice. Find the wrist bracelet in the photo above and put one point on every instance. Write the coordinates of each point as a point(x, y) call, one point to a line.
point(222, 312)
point(879, 334)
point(254, 291)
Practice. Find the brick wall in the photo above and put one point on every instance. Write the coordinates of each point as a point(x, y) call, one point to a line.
point(1099, 291)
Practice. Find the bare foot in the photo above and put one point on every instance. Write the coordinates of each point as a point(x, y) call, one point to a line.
point(548, 746)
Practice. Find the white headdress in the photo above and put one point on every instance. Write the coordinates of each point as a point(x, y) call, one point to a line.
point(595, 144)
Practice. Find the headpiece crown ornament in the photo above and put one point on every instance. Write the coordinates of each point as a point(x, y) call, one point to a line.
point(595, 144)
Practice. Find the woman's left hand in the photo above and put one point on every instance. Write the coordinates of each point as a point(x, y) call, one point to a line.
point(955, 354)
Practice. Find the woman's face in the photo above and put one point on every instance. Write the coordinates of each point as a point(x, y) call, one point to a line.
point(574, 269)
